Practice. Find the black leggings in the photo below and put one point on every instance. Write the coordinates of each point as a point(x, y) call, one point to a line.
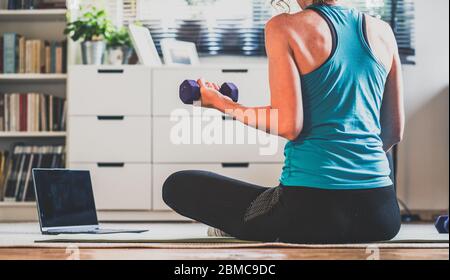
point(302, 215)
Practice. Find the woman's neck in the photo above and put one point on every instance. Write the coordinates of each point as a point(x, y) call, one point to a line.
point(331, 3)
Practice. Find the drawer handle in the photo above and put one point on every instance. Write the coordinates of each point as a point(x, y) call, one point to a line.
point(110, 71)
point(110, 118)
point(236, 165)
point(234, 70)
point(111, 164)
point(228, 118)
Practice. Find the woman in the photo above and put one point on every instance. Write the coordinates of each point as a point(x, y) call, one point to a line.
point(336, 81)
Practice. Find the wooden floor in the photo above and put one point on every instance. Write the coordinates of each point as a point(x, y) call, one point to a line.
point(17, 242)
point(222, 254)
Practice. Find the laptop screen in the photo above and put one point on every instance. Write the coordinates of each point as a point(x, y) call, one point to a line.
point(65, 198)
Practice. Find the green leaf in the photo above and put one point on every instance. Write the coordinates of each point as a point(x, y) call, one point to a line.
point(93, 23)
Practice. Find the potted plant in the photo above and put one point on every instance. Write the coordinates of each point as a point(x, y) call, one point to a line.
point(91, 28)
point(119, 46)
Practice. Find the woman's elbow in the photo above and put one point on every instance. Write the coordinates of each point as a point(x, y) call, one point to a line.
point(398, 134)
point(394, 137)
point(291, 133)
point(398, 138)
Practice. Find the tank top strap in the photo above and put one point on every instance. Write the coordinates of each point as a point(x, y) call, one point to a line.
point(344, 23)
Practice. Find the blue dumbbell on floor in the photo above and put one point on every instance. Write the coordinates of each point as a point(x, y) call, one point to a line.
point(190, 91)
point(442, 224)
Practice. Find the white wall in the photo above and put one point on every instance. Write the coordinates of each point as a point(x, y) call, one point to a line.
point(424, 154)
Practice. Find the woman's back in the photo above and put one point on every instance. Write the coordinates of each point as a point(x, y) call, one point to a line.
point(344, 60)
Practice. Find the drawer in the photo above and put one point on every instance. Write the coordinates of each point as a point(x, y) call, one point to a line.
point(97, 90)
point(126, 187)
point(252, 82)
point(259, 174)
point(110, 139)
point(186, 140)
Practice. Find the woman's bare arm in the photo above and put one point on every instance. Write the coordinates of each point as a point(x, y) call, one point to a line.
point(285, 89)
point(392, 109)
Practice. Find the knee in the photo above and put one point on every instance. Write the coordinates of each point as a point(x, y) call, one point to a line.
point(393, 229)
point(172, 187)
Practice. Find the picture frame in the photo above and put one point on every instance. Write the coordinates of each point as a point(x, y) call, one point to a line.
point(144, 45)
point(179, 52)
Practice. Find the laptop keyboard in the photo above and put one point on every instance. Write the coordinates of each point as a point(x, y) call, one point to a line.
point(98, 231)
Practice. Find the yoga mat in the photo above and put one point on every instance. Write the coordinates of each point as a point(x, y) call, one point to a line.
point(191, 236)
point(148, 237)
point(407, 235)
point(235, 246)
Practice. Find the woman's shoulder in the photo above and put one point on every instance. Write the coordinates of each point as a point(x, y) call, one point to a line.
point(277, 23)
point(300, 20)
point(382, 39)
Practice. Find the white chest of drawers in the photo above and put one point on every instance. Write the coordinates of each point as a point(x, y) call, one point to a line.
point(119, 128)
point(110, 133)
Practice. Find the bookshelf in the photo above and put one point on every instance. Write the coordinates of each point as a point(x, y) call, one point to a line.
point(33, 15)
point(17, 204)
point(43, 24)
point(32, 78)
point(57, 134)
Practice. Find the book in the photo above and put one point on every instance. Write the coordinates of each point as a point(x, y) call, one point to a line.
point(53, 57)
point(64, 116)
point(16, 169)
point(6, 112)
point(64, 56)
point(36, 112)
point(3, 4)
point(34, 57)
point(29, 113)
point(16, 111)
point(50, 112)
point(32, 112)
point(22, 50)
point(58, 58)
point(48, 59)
point(28, 4)
point(22, 173)
point(28, 55)
point(51, 4)
point(12, 112)
point(12, 4)
point(2, 112)
point(10, 53)
point(21, 55)
point(27, 194)
point(41, 56)
point(11, 179)
point(23, 112)
point(1, 54)
point(42, 113)
point(19, 4)
point(4, 165)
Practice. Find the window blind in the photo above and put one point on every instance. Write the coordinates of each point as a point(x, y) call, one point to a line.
point(402, 22)
point(216, 27)
point(237, 26)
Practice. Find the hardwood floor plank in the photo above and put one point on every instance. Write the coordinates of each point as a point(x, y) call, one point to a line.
point(222, 254)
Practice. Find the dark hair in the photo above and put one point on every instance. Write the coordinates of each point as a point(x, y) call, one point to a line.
point(285, 5)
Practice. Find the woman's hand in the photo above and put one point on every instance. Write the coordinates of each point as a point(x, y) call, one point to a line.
point(210, 95)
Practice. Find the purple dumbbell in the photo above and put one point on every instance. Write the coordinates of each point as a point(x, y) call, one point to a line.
point(190, 91)
point(442, 224)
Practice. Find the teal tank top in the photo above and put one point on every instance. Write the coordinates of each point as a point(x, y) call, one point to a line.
point(340, 145)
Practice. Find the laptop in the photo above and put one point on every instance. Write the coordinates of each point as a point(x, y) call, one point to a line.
point(65, 203)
